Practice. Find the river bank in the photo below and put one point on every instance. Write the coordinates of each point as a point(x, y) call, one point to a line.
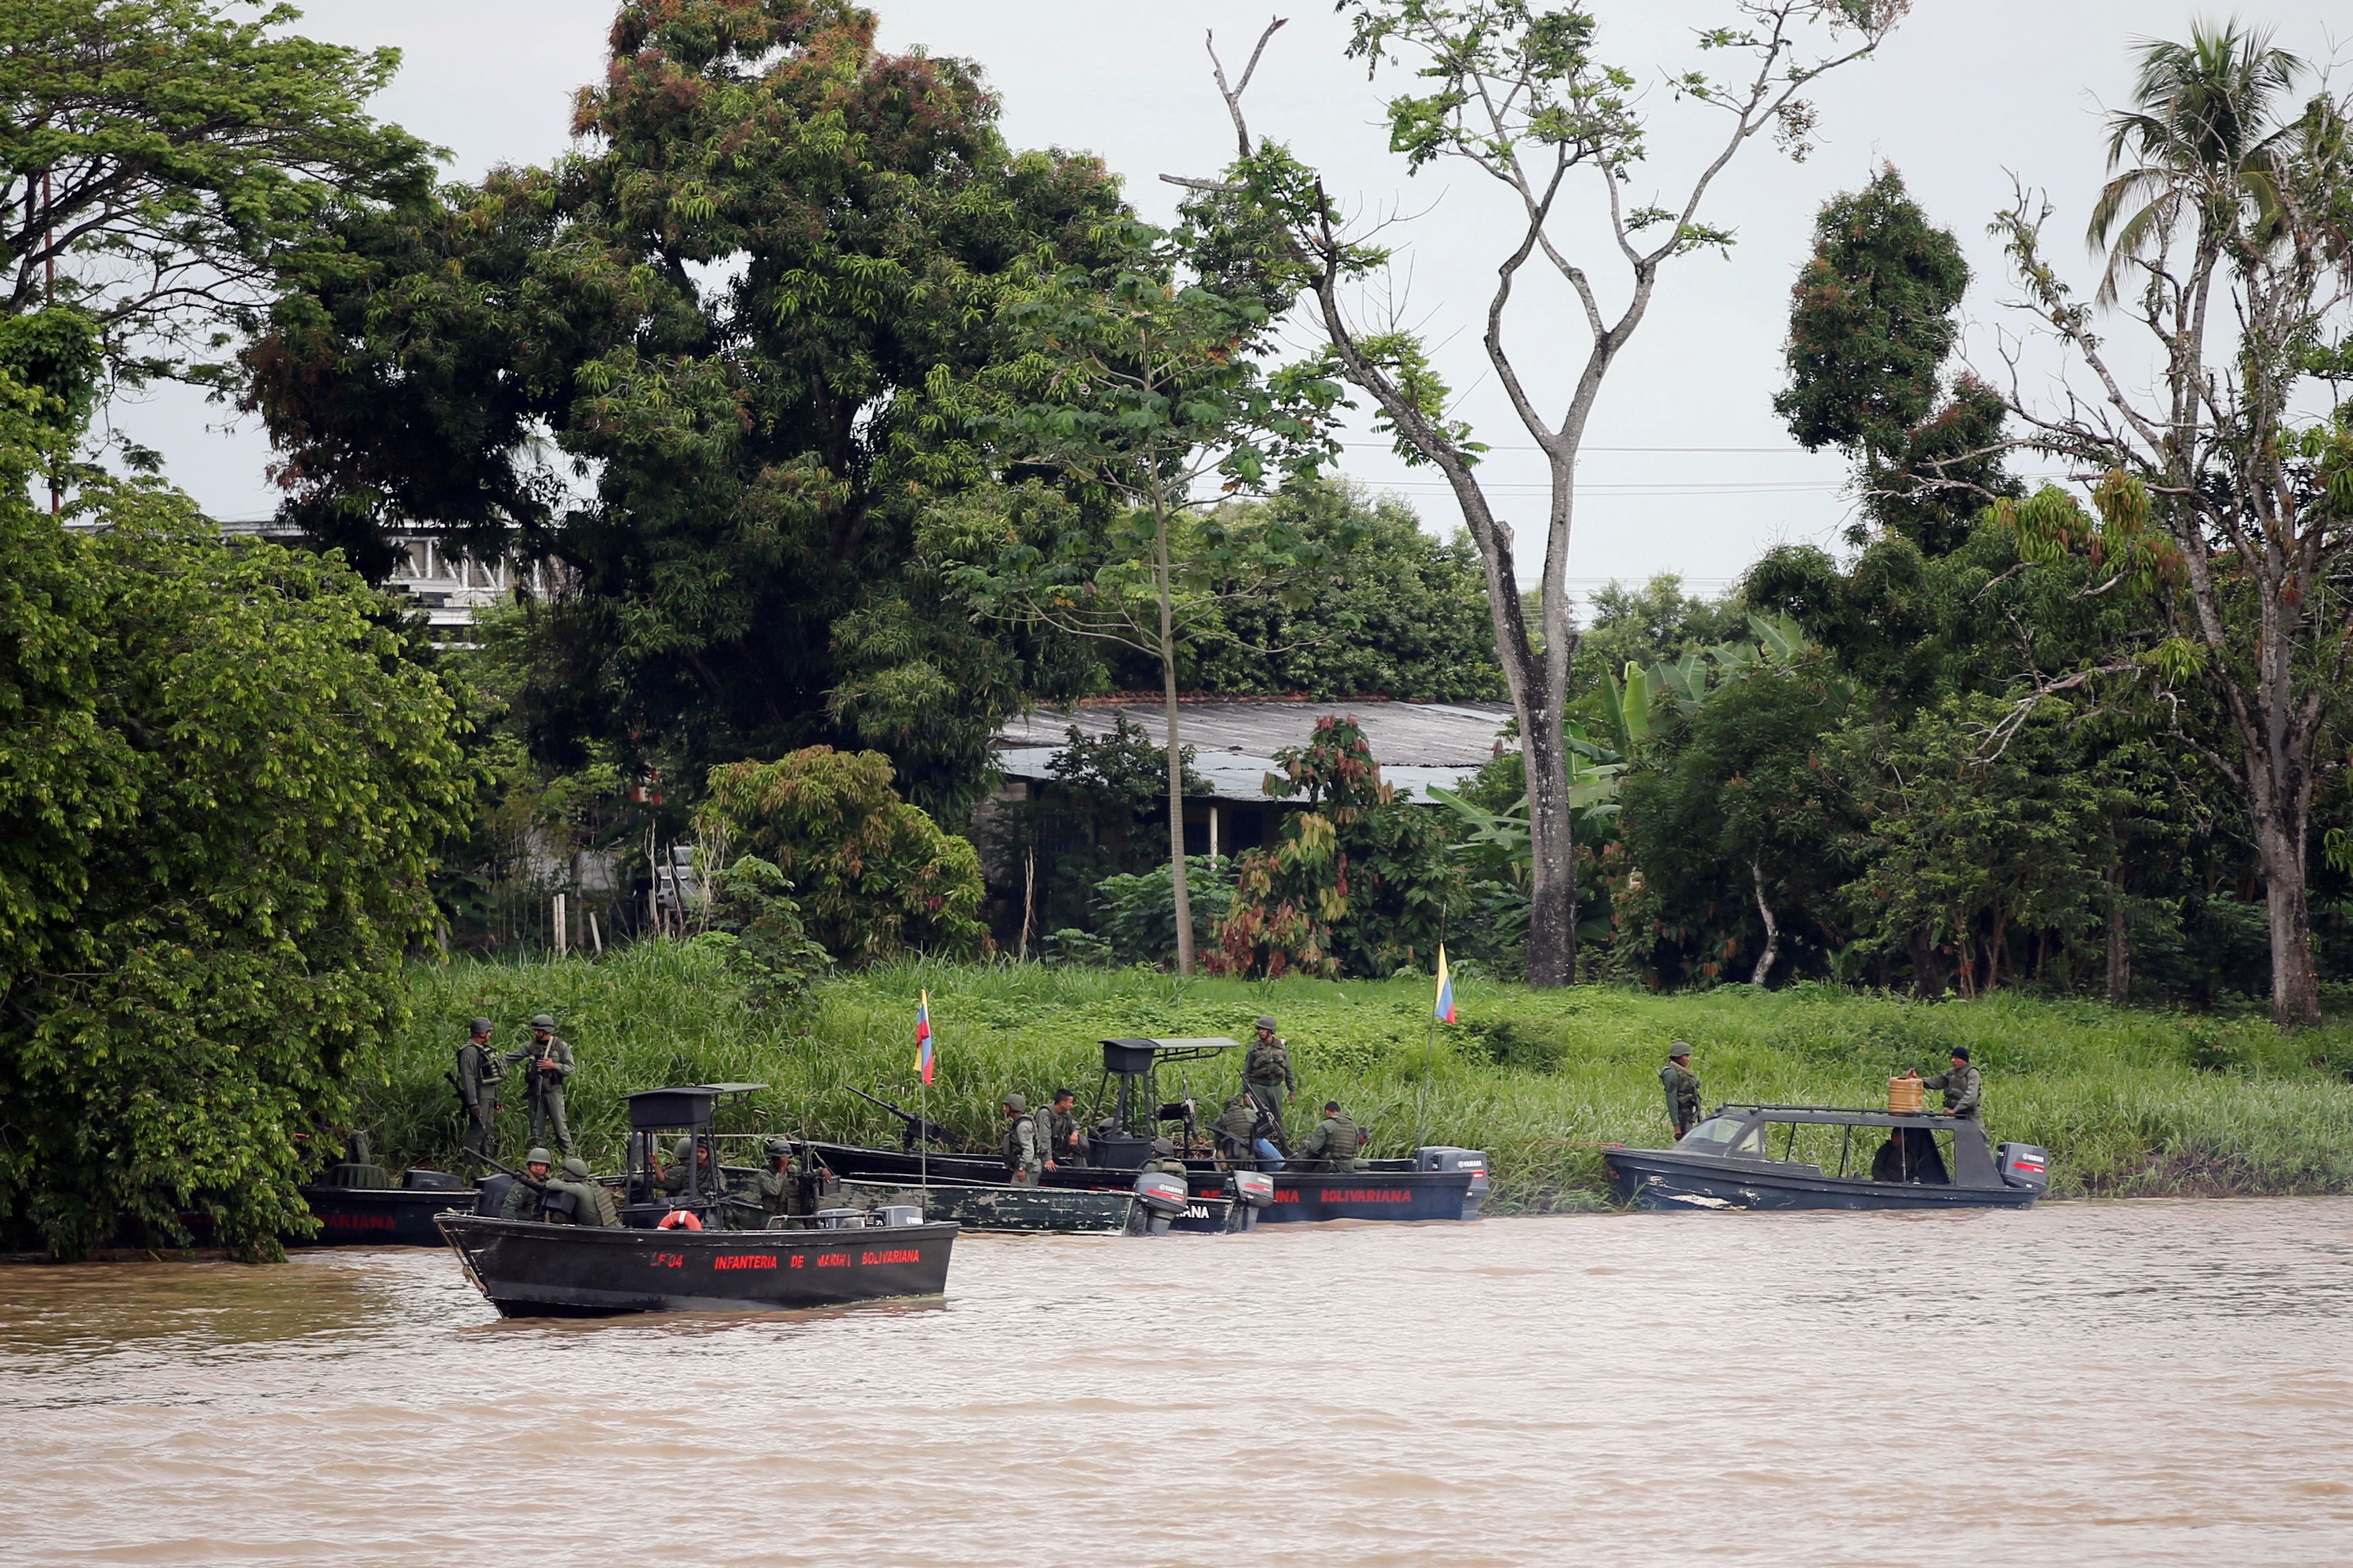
point(2131, 1102)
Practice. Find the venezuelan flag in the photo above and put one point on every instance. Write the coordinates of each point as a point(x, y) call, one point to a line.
point(923, 1036)
point(1445, 988)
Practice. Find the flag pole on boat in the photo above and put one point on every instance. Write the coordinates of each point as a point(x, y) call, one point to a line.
point(924, 1059)
point(1440, 1012)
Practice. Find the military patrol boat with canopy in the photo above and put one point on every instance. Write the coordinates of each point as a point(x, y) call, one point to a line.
point(1923, 1161)
point(1131, 1106)
point(672, 1253)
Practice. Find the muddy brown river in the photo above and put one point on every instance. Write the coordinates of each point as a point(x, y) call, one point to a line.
point(2104, 1383)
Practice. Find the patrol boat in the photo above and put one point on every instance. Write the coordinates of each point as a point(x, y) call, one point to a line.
point(359, 1204)
point(668, 1254)
point(1432, 1184)
point(1923, 1162)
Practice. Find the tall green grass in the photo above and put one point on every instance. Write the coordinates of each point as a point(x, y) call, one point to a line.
point(2129, 1101)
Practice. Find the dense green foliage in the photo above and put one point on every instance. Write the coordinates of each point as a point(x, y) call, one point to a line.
point(756, 314)
point(167, 157)
point(2130, 1101)
point(872, 873)
point(223, 780)
point(1358, 881)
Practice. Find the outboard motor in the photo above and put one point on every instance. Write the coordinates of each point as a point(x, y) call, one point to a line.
point(1439, 1158)
point(1252, 1191)
point(1159, 1199)
point(2023, 1166)
point(899, 1214)
point(838, 1219)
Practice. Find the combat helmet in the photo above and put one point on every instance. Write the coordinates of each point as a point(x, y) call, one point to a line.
point(542, 1021)
point(576, 1167)
point(539, 1157)
point(682, 1150)
point(777, 1148)
point(1017, 1104)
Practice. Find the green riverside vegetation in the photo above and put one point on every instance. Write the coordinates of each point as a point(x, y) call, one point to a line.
point(2131, 1102)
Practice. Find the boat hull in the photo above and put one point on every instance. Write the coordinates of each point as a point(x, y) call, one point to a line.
point(1390, 1191)
point(527, 1270)
point(379, 1216)
point(1664, 1179)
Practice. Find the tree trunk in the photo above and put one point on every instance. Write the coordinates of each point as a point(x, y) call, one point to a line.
point(2296, 986)
point(1552, 890)
point(1772, 930)
point(1175, 759)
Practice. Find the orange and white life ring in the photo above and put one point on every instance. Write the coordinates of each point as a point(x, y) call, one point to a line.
point(679, 1219)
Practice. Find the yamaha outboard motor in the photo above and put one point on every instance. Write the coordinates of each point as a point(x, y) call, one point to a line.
point(1252, 1192)
point(1437, 1157)
point(1159, 1199)
point(2023, 1166)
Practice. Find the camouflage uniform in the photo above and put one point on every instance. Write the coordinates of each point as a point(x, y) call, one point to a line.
point(1025, 1158)
point(683, 1157)
point(548, 1063)
point(595, 1205)
point(1166, 1160)
point(1267, 1076)
point(477, 1075)
point(776, 1189)
point(1682, 1085)
point(1333, 1145)
point(522, 1199)
point(1961, 1086)
point(1237, 1132)
point(1060, 1127)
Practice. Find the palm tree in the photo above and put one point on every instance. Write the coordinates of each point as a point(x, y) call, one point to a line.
point(2201, 139)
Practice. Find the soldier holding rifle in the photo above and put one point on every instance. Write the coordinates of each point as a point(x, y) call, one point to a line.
point(547, 1062)
point(477, 1078)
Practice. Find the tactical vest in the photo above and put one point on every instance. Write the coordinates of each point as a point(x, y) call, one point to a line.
point(1343, 1138)
point(1014, 1159)
point(1267, 1062)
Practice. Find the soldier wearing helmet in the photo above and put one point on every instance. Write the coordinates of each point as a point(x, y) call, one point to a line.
point(525, 1193)
point(776, 1189)
point(593, 1202)
point(1023, 1147)
point(1267, 1075)
point(546, 1064)
point(685, 1154)
point(477, 1079)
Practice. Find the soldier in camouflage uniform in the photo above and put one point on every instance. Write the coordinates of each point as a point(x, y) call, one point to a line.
point(1237, 1132)
point(1682, 1085)
point(477, 1075)
point(778, 1189)
point(547, 1062)
point(1960, 1085)
point(522, 1199)
point(1166, 1160)
point(686, 1151)
point(1267, 1076)
point(1065, 1143)
point(593, 1202)
point(1333, 1146)
point(1024, 1149)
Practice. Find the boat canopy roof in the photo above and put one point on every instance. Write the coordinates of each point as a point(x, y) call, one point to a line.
point(688, 1105)
point(1835, 1116)
point(1138, 1052)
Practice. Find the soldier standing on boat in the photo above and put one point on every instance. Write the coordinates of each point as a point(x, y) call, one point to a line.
point(522, 1199)
point(1333, 1144)
point(1960, 1085)
point(1065, 1143)
point(778, 1189)
point(1267, 1076)
point(1024, 1149)
point(1682, 1085)
point(547, 1062)
point(477, 1079)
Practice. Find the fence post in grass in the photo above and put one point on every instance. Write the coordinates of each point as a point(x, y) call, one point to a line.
point(561, 946)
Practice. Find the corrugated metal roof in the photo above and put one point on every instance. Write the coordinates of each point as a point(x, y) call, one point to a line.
point(1416, 744)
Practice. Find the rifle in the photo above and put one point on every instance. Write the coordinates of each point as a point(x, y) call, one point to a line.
point(914, 1130)
point(563, 1203)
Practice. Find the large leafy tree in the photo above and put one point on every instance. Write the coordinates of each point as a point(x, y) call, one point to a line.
point(2225, 231)
point(161, 159)
point(223, 782)
point(1522, 98)
point(712, 366)
point(1872, 323)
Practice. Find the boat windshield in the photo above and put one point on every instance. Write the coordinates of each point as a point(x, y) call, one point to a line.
point(1711, 1136)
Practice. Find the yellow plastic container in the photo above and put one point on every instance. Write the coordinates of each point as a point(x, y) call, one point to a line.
point(1904, 1096)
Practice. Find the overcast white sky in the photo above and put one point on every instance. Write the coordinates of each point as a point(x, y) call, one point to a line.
point(1686, 468)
